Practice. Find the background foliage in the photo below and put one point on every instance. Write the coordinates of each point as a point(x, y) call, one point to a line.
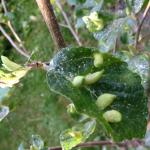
point(34, 110)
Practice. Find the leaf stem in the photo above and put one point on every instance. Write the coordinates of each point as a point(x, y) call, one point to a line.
point(46, 9)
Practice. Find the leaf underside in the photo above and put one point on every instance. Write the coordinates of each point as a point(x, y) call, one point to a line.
point(131, 101)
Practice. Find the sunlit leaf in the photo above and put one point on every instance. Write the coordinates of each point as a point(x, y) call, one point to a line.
point(52, 2)
point(9, 65)
point(93, 22)
point(117, 79)
point(77, 134)
point(4, 110)
point(12, 74)
point(8, 79)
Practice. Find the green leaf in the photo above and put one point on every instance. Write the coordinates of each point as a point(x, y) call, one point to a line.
point(4, 110)
point(77, 134)
point(9, 65)
point(140, 65)
point(137, 63)
point(8, 79)
point(117, 79)
point(12, 74)
point(108, 36)
point(93, 22)
point(124, 55)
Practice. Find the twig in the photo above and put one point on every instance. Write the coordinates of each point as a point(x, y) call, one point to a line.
point(13, 43)
point(68, 23)
point(46, 9)
point(142, 21)
point(9, 23)
point(4, 6)
point(133, 143)
point(11, 27)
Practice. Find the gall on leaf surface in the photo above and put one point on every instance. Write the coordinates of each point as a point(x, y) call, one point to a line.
point(117, 79)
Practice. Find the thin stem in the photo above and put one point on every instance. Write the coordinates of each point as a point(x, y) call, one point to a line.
point(12, 28)
point(4, 6)
point(9, 23)
point(124, 144)
point(16, 36)
point(14, 32)
point(58, 3)
point(13, 43)
point(142, 21)
point(46, 9)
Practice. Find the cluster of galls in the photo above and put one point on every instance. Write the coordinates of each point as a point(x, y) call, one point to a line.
point(104, 100)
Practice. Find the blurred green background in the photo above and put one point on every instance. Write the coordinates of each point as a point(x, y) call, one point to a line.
point(34, 109)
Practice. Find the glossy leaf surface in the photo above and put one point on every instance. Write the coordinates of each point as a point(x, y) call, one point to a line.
point(117, 79)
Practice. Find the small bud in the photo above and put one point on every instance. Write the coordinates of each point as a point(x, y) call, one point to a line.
point(98, 59)
point(112, 116)
point(105, 100)
point(71, 109)
point(92, 78)
point(78, 81)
